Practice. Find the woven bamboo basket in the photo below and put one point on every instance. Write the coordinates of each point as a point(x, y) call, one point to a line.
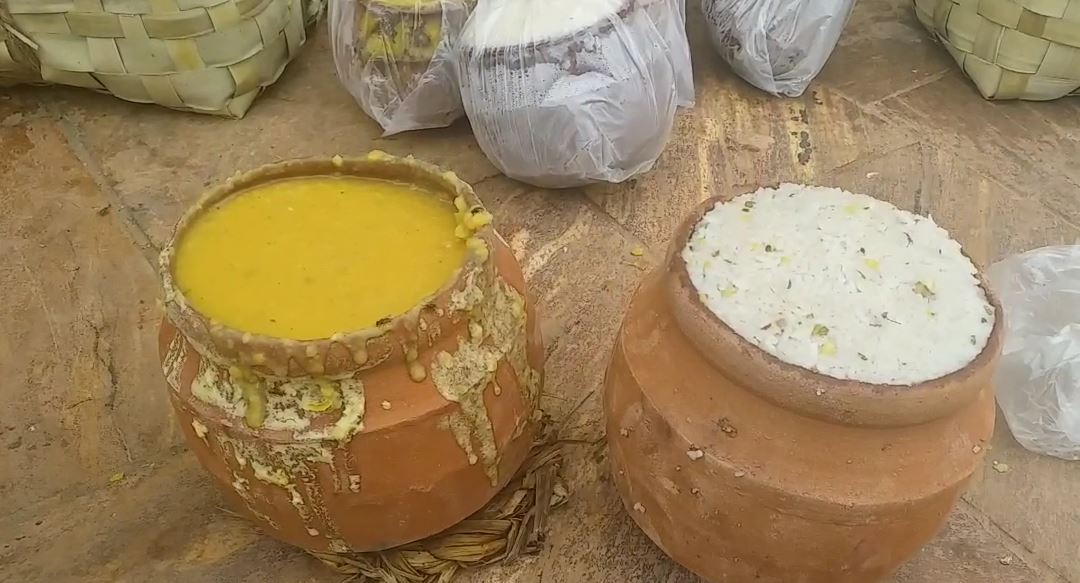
point(1011, 49)
point(206, 56)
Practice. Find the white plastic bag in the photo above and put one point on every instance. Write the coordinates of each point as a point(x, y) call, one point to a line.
point(776, 45)
point(395, 58)
point(562, 93)
point(1038, 379)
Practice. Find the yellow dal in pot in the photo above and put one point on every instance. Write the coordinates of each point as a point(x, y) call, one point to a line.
point(306, 258)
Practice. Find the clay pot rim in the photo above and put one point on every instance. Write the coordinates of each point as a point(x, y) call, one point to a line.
point(199, 328)
point(601, 26)
point(848, 398)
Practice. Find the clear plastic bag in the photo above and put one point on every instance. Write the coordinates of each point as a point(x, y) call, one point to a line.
point(562, 93)
point(395, 58)
point(778, 46)
point(1038, 379)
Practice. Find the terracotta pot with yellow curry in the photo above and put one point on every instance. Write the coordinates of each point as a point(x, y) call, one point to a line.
point(349, 349)
point(394, 57)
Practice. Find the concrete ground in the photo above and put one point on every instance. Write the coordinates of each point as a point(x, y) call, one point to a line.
point(90, 187)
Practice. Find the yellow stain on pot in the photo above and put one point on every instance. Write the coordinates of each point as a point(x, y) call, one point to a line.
point(407, 30)
point(497, 332)
point(305, 258)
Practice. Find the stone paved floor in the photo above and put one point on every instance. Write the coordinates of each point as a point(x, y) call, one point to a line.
point(90, 187)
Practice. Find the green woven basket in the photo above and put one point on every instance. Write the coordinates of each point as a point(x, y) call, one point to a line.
point(207, 56)
point(1011, 49)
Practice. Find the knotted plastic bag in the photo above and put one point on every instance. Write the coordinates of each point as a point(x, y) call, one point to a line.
point(778, 46)
point(395, 58)
point(1038, 378)
point(562, 93)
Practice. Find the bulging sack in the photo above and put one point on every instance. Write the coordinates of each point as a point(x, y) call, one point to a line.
point(778, 46)
point(1038, 379)
point(395, 58)
point(562, 93)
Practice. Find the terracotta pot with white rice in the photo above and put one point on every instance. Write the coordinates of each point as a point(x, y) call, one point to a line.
point(567, 92)
point(804, 389)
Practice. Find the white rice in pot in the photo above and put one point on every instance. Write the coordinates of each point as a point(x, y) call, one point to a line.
point(512, 23)
point(841, 284)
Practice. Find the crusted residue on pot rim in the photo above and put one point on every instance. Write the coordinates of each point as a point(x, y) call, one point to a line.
point(840, 283)
point(282, 357)
point(281, 384)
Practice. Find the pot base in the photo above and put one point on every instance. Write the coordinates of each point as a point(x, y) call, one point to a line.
point(519, 512)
